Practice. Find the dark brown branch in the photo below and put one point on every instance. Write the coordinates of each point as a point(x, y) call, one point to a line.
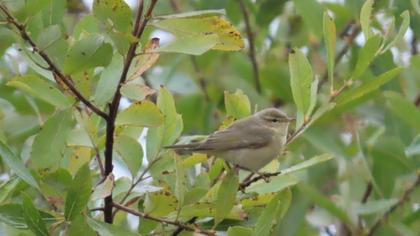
point(399, 203)
point(51, 66)
point(139, 26)
point(368, 191)
point(414, 50)
point(164, 221)
point(365, 197)
point(252, 54)
point(180, 229)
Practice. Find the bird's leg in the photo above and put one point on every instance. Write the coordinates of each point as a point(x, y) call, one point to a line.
point(264, 176)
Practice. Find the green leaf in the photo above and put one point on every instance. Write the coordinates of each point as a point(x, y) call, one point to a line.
point(372, 207)
point(273, 213)
point(87, 53)
point(366, 55)
point(41, 88)
point(300, 79)
point(314, 93)
point(403, 28)
point(330, 40)
point(368, 86)
point(403, 109)
point(191, 45)
point(325, 203)
point(78, 193)
point(108, 81)
point(48, 146)
point(12, 215)
point(7, 188)
point(226, 196)
point(48, 36)
point(237, 104)
point(79, 226)
point(365, 16)
point(276, 184)
point(239, 231)
point(33, 217)
point(197, 25)
point(103, 189)
point(308, 163)
point(105, 229)
point(15, 163)
point(172, 125)
point(115, 10)
point(130, 151)
point(143, 114)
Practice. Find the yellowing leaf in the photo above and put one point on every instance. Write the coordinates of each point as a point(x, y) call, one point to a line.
point(201, 23)
point(147, 58)
point(143, 114)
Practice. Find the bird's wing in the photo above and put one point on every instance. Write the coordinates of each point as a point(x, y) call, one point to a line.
point(235, 138)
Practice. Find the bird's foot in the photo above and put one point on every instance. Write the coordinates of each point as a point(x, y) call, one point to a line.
point(265, 176)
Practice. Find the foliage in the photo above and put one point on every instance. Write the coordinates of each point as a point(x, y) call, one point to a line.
point(90, 97)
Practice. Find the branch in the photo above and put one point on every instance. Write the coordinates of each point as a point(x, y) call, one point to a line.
point(399, 203)
point(139, 26)
point(251, 54)
point(51, 66)
point(164, 221)
point(180, 229)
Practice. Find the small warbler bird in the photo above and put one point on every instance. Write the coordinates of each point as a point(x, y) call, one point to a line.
point(249, 143)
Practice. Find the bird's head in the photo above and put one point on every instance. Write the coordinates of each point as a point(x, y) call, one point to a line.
point(274, 119)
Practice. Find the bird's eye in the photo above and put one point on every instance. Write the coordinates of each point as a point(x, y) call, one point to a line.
point(275, 120)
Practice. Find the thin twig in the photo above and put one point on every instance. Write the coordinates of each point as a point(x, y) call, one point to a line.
point(201, 79)
point(135, 183)
point(252, 54)
point(399, 203)
point(51, 66)
point(164, 221)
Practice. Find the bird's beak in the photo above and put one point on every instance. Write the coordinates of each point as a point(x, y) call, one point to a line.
point(291, 119)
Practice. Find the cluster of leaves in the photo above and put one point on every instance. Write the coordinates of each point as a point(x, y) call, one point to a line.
point(367, 119)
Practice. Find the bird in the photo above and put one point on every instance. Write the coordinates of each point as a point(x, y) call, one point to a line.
point(249, 143)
